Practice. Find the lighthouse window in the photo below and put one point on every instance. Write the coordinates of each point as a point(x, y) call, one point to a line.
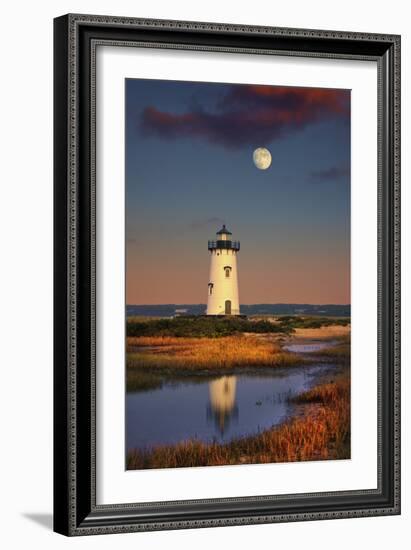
point(227, 270)
point(210, 288)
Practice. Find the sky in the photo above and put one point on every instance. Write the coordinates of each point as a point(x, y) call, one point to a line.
point(189, 169)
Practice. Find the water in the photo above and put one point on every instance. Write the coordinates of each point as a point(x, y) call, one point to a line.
point(309, 347)
point(215, 409)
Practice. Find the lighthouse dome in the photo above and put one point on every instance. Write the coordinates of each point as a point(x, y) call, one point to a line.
point(224, 231)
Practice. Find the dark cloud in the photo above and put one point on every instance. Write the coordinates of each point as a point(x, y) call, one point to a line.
point(249, 114)
point(336, 173)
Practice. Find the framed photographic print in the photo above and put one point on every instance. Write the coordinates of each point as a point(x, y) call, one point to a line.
point(227, 279)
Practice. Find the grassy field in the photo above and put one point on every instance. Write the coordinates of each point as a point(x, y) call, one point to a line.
point(324, 333)
point(157, 352)
point(151, 357)
point(321, 431)
point(212, 327)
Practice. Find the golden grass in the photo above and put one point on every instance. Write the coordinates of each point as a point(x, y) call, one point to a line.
point(330, 393)
point(206, 353)
point(322, 433)
point(331, 332)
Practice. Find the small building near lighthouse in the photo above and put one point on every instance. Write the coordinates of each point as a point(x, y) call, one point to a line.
point(223, 280)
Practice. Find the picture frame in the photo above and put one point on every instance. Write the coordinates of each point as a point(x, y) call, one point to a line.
point(76, 511)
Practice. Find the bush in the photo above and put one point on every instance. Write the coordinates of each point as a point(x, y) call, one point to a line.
point(200, 327)
point(215, 327)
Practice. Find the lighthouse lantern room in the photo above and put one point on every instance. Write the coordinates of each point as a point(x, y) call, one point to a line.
point(223, 280)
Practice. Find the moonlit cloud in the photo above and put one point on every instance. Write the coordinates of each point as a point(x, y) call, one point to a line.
point(248, 113)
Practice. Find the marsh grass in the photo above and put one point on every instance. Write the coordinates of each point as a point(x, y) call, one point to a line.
point(201, 326)
point(206, 353)
point(323, 432)
point(339, 353)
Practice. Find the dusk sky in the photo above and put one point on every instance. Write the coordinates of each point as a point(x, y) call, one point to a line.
point(189, 169)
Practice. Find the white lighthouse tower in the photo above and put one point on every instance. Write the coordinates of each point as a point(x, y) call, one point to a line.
point(223, 281)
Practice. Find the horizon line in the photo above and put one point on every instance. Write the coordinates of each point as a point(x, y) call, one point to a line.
point(250, 304)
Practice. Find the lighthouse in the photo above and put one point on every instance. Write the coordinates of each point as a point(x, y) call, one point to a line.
point(223, 280)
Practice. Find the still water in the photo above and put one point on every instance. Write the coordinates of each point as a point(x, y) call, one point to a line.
point(215, 409)
point(309, 347)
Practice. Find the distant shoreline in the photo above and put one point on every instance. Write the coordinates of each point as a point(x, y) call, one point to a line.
point(171, 310)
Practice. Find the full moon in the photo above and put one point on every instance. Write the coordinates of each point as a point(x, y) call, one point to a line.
point(262, 158)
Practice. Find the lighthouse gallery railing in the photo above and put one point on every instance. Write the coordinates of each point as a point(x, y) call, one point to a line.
point(227, 245)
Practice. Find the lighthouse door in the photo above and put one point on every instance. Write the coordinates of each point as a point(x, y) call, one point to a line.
point(228, 307)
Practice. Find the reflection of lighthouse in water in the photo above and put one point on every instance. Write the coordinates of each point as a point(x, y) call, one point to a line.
point(222, 407)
